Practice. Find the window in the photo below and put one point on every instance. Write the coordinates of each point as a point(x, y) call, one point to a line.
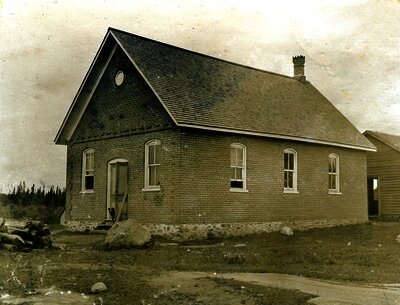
point(88, 170)
point(290, 171)
point(152, 165)
point(119, 78)
point(333, 173)
point(238, 167)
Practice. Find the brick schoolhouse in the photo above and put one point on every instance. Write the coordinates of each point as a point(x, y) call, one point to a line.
point(169, 136)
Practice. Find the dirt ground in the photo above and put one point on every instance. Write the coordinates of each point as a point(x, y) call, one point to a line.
point(367, 253)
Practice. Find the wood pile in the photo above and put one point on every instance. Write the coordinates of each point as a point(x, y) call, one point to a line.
point(30, 235)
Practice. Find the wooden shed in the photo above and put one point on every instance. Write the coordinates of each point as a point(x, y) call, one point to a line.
point(383, 171)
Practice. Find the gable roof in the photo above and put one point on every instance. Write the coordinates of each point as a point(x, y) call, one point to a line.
point(200, 91)
point(392, 141)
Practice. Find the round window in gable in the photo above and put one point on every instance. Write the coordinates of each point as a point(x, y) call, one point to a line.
point(119, 78)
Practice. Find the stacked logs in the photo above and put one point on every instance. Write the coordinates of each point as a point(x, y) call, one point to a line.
point(31, 235)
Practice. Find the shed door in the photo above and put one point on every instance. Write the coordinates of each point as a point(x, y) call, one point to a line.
point(117, 201)
point(373, 196)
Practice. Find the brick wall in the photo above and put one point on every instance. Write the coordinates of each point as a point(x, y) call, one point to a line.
point(206, 196)
point(148, 206)
point(117, 123)
point(121, 110)
point(195, 181)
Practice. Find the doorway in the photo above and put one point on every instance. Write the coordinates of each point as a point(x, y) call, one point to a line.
point(373, 196)
point(117, 190)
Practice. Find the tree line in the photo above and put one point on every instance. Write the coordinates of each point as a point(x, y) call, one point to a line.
point(38, 203)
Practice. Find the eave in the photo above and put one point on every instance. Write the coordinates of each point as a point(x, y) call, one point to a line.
point(84, 94)
point(276, 136)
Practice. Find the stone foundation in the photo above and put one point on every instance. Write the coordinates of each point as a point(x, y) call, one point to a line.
point(80, 225)
point(184, 232)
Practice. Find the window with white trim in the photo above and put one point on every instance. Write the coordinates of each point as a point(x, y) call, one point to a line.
point(334, 173)
point(290, 170)
point(152, 165)
point(238, 167)
point(88, 170)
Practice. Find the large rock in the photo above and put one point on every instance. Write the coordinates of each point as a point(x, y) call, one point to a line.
point(98, 287)
point(286, 230)
point(127, 234)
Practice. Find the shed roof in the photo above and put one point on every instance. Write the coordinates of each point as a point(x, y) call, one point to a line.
point(201, 91)
point(390, 140)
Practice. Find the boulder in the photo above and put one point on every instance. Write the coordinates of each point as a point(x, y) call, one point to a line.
point(127, 234)
point(286, 231)
point(98, 287)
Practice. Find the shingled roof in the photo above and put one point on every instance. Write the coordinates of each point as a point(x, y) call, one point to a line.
point(392, 141)
point(199, 91)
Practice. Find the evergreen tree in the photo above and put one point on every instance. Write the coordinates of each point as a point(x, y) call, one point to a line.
point(36, 203)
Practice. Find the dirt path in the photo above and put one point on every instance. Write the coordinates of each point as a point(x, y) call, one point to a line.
point(328, 292)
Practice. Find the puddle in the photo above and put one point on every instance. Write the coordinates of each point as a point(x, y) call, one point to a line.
point(49, 296)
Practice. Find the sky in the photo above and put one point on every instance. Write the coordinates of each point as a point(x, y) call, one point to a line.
point(352, 51)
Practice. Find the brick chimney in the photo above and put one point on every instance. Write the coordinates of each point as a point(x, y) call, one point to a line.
point(298, 65)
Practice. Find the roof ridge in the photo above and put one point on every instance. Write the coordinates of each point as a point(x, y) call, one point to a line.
point(384, 133)
point(204, 55)
point(378, 136)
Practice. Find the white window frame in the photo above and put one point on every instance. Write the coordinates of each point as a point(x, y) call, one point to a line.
point(147, 186)
point(242, 189)
point(336, 175)
point(291, 190)
point(87, 172)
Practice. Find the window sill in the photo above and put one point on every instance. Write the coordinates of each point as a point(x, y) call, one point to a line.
point(151, 189)
point(238, 190)
point(86, 192)
point(334, 193)
point(288, 191)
